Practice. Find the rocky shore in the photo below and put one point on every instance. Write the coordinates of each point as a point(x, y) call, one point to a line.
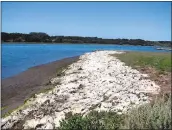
point(97, 81)
point(15, 90)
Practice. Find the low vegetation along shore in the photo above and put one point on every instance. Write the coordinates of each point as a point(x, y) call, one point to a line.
point(102, 90)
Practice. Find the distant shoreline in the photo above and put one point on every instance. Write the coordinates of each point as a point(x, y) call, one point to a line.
point(69, 43)
point(41, 37)
point(54, 43)
point(78, 43)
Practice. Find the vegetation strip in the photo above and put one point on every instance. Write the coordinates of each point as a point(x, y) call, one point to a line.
point(41, 37)
point(160, 61)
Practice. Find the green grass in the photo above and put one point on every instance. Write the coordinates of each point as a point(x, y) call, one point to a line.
point(16, 109)
point(2, 108)
point(46, 90)
point(159, 61)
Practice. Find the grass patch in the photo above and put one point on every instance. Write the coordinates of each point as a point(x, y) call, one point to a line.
point(2, 108)
point(46, 90)
point(11, 111)
point(159, 61)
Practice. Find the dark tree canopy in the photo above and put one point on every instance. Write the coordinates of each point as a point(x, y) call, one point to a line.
point(41, 37)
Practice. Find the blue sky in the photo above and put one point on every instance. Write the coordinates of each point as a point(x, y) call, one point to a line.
point(145, 20)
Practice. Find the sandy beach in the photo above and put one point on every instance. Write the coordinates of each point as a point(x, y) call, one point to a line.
point(97, 81)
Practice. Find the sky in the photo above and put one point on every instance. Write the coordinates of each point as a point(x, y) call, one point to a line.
point(132, 20)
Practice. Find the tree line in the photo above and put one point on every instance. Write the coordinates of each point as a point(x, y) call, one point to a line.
point(40, 37)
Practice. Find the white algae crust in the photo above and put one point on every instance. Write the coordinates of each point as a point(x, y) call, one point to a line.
point(97, 81)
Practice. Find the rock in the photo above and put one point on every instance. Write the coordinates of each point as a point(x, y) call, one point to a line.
point(59, 116)
point(48, 126)
point(81, 86)
point(31, 124)
point(45, 126)
point(7, 125)
point(55, 80)
point(101, 79)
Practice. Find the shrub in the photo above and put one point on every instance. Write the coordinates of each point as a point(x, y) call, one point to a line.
point(155, 115)
point(150, 116)
point(75, 122)
point(106, 120)
point(93, 121)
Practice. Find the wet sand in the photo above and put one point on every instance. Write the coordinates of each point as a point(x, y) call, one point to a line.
point(15, 90)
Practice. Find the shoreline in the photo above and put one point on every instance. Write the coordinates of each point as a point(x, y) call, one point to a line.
point(16, 89)
point(69, 43)
point(80, 43)
point(86, 85)
point(29, 79)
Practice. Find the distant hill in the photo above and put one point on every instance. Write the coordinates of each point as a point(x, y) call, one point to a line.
point(41, 37)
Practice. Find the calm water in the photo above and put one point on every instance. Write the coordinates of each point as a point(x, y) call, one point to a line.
point(19, 57)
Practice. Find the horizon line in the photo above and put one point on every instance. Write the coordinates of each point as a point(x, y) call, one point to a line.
point(86, 36)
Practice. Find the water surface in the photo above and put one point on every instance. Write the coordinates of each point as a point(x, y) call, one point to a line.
point(19, 57)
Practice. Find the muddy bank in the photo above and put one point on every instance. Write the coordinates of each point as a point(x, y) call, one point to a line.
point(15, 90)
